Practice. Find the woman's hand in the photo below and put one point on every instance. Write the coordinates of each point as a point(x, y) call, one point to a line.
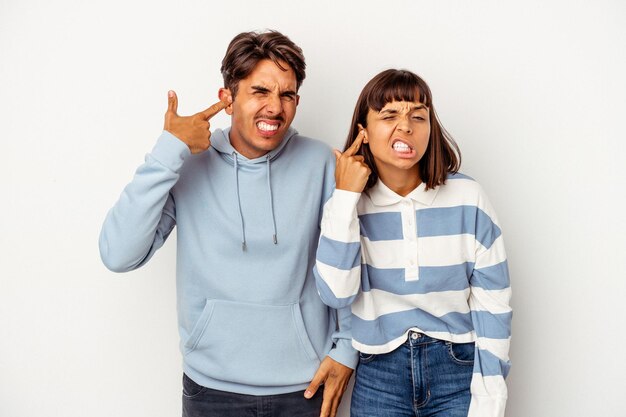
point(351, 172)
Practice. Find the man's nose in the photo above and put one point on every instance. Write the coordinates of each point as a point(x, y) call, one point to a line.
point(274, 105)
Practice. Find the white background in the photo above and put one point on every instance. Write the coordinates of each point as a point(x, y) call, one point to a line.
point(533, 91)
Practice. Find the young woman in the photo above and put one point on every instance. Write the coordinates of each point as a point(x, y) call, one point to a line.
point(416, 250)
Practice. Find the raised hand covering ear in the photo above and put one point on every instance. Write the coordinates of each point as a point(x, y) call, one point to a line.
point(352, 172)
point(193, 130)
point(225, 95)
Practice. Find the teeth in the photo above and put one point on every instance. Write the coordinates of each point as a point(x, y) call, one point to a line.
point(267, 127)
point(401, 147)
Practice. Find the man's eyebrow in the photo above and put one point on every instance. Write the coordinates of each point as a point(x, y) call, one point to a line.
point(260, 88)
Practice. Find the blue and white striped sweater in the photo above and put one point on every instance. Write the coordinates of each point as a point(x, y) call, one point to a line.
point(433, 262)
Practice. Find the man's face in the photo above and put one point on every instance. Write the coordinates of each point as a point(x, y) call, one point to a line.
point(263, 109)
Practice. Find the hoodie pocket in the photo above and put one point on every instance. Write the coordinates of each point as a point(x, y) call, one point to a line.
point(252, 344)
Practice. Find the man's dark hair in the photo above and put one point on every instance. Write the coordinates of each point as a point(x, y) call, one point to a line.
point(248, 48)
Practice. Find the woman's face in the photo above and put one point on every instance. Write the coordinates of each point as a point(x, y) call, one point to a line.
point(398, 136)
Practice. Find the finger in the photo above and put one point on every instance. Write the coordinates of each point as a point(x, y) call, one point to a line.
point(172, 102)
point(332, 395)
point(333, 408)
point(353, 149)
point(329, 403)
point(337, 154)
point(311, 390)
point(318, 379)
point(214, 109)
point(326, 407)
point(359, 158)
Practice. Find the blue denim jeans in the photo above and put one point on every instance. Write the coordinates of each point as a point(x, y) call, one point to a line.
point(199, 401)
point(424, 377)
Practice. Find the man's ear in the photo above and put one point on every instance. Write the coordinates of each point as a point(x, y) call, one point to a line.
point(224, 94)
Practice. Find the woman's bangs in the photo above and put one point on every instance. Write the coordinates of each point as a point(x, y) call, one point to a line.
point(396, 89)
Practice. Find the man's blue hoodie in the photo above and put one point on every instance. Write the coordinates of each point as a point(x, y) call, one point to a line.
point(249, 316)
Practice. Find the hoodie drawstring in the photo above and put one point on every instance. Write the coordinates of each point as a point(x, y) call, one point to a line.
point(271, 197)
point(269, 187)
point(243, 229)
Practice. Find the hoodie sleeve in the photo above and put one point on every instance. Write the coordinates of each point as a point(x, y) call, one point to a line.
point(145, 214)
point(343, 352)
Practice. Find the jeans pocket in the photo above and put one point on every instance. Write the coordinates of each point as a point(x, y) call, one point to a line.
point(190, 388)
point(366, 357)
point(462, 353)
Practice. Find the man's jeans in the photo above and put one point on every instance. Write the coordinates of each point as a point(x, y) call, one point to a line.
point(199, 401)
point(423, 377)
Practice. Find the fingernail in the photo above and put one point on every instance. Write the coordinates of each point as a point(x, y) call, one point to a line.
point(308, 394)
point(170, 93)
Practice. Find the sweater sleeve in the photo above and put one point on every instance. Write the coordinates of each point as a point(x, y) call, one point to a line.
point(491, 313)
point(338, 261)
point(343, 352)
point(145, 214)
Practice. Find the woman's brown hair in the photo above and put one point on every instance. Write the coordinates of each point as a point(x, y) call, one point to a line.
point(442, 154)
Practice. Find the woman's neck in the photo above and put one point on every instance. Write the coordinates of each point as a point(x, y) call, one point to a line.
point(401, 182)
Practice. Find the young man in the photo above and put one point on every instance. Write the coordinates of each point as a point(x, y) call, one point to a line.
point(255, 336)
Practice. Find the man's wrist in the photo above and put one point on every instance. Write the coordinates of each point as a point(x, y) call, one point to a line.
point(345, 354)
point(170, 151)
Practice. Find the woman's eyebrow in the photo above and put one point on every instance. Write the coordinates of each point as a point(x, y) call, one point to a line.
point(395, 111)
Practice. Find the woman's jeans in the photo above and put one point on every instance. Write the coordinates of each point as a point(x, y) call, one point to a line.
point(423, 377)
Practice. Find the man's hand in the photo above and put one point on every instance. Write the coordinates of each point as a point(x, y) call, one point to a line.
point(193, 130)
point(335, 377)
point(352, 172)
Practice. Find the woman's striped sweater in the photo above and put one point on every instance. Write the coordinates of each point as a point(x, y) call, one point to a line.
point(433, 262)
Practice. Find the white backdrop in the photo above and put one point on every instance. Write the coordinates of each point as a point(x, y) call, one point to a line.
point(534, 92)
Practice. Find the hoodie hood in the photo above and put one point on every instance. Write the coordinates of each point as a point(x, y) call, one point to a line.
point(221, 142)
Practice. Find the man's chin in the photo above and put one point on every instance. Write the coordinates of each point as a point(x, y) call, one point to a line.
point(269, 143)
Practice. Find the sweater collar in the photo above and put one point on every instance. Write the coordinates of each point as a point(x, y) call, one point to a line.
point(381, 195)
